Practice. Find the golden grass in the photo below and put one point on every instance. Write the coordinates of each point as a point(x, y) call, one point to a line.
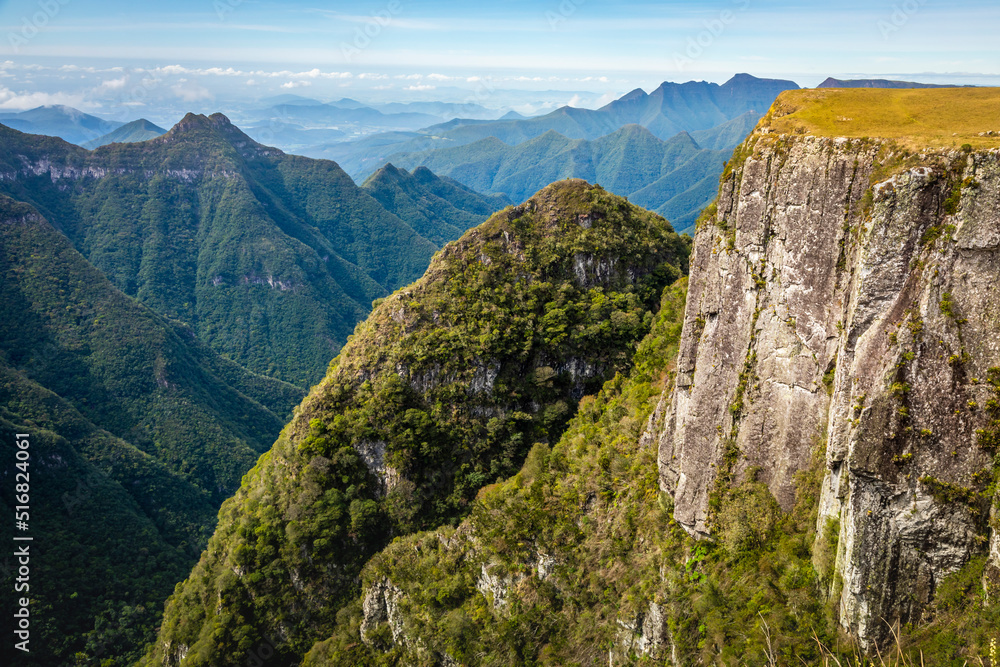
point(916, 118)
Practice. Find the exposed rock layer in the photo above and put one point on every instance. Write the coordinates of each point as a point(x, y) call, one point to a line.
point(846, 295)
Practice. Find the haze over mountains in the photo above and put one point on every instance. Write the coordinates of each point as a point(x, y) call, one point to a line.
point(655, 160)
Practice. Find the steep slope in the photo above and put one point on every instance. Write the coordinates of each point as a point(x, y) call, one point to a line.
point(272, 259)
point(130, 411)
point(439, 209)
point(843, 296)
point(60, 121)
point(627, 162)
point(443, 390)
point(827, 450)
point(137, 130)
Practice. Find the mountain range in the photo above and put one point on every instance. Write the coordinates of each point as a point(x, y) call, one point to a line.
point(60, 121)
point(137, 130)
point(270, 258)
point(797, 459)
point(516, 157)
point(676, 178)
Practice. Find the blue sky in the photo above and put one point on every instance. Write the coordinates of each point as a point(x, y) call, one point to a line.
point(417, 47)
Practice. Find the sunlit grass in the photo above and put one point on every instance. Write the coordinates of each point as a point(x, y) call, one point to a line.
point(917, 118)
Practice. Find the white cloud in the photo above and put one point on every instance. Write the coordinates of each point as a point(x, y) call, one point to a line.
point(251, 82)
point(113, 84)
point(23, 101)
point(420, 87)
point(296, 84)
point(191, 92)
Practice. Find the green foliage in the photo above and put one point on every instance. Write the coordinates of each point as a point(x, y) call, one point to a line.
point(156, 424)
point(438, 208)
point(579, 541)
point(445, 389)
point(988, 437)
point(271, 259)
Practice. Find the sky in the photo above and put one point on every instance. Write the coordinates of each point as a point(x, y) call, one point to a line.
point(104, 54)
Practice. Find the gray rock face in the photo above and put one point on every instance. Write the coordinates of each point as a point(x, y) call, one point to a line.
point(832, 305)
point(381, 605)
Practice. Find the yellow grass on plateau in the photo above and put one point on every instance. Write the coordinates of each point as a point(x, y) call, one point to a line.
point(917, 118)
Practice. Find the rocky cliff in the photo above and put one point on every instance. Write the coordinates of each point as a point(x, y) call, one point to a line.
point(844, 295)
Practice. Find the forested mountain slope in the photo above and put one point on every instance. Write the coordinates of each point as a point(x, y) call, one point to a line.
point(444, 389)
point(270, 258)
point(139, 432)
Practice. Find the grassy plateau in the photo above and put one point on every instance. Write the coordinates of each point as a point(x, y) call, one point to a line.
point(915, 118)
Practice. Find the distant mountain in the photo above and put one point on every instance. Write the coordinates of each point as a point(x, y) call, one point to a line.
point(879, 83)
point(291, 136)
point(60, 121)
point(270, 258)
point(336, 116)
point(513, 115)
point(446, 110)
point(348, 103)
point(668, 110)
point(138, 432)
point(438, 208)
point(137, 130)
point(729, 135)
point(676, 178)
point(288, 98)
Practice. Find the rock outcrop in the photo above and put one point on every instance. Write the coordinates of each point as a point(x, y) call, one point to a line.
point(844, 295)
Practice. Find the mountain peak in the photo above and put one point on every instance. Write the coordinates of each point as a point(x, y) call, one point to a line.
point(193, 121)
point(636, 94)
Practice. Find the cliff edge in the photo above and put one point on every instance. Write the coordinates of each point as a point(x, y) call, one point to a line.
point(844, 298)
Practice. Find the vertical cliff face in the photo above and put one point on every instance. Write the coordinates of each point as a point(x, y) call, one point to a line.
point(845, 295)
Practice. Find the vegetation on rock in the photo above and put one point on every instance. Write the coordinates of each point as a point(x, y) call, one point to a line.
point(443, 390)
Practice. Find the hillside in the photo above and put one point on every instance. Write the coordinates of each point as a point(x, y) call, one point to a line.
point(444, 389)
point(676, 178)
point(270, 258)
point(141, 432)
point(438, 208)
point(137, 130)
point(805, 472)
